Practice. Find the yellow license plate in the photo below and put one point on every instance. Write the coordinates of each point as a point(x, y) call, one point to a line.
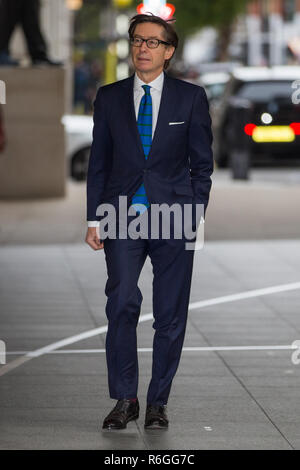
point(273, 134)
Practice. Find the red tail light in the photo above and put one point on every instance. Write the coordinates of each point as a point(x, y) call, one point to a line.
point(296, 127)
point(249, 128)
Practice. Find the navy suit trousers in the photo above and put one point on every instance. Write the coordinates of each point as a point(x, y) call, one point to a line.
point(172, 273)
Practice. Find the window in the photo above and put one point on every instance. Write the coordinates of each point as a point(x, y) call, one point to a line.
point(262, 92)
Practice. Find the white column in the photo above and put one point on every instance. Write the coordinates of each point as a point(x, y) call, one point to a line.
point(276, 38)
point(254, 39)
point(56, 21)
point(297, 17)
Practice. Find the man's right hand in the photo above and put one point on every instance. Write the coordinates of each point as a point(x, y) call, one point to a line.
point(92, 238)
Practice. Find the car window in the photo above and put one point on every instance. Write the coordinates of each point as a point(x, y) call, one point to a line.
point(265, 91)
point(215, 90)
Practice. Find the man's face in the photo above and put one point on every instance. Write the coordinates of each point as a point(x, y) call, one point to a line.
point(147, 60)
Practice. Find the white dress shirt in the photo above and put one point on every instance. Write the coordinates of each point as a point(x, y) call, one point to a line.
point(138, 92)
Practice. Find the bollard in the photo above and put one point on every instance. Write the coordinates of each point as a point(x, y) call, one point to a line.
point(240, 155)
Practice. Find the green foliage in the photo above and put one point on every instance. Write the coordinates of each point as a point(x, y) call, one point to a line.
point(191, 15)
point(87, 22)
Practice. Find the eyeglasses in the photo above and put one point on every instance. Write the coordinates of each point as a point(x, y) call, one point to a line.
point(151, 43)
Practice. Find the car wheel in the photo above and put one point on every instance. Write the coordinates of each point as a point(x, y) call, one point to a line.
point(222, 161)
point(240, 164)
point(79, 166)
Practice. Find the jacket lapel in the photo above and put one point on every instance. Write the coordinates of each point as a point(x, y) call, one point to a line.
point(167, 105)
point(129, 110)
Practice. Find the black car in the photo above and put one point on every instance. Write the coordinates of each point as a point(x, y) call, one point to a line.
point(258, 120)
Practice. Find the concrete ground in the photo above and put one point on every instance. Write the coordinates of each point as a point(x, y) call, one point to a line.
point(264, 207)
point(237, 386)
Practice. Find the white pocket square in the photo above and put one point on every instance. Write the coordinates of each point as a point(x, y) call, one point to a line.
point(174, 123)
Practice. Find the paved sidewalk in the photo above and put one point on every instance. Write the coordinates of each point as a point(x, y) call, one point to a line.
point(243, 397)
point(265, 207)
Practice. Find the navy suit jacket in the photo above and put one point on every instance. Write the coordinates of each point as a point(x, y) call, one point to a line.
point(180, 161)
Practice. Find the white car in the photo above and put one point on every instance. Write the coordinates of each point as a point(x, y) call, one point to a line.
point(79, 136)
point(214, 84)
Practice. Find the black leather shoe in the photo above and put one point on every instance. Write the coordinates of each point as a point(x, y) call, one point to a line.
point(156, 417)
point(124, 411)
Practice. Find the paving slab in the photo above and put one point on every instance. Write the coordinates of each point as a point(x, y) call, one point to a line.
point(230, 398)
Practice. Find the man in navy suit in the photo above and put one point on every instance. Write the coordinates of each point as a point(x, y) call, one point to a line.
point(151, 140)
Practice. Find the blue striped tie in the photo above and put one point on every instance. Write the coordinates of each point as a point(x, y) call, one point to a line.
point(144, 122)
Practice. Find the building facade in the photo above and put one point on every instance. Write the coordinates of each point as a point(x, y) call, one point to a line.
point(273, 32)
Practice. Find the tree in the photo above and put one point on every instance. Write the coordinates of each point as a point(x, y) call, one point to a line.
point(191, 15)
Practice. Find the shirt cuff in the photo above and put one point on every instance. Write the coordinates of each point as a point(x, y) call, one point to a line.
point(93, 223)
